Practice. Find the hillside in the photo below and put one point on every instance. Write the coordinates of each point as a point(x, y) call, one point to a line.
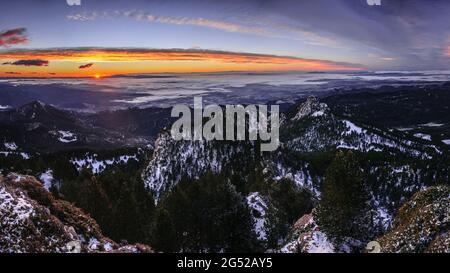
point(33, 220)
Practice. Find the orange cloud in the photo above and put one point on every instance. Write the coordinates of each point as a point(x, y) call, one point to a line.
point(192, 55)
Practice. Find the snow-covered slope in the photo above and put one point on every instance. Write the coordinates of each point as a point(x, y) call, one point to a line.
point(174, 159)
point(33, 221)
point(311, 128)
point(315, 128)
point(258, 207)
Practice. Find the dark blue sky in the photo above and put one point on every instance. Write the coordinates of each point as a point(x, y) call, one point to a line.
point(398, 35)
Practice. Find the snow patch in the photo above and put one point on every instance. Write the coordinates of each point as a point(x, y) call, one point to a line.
point(423, 136)
point(14, 209)
point(432, 124)
point(259, 208)
point(405, 129)
point(320, 244)
point(352, 128)
point(67, 137)
point(25, 156)
point(11, 146)
point(446, 141)
point(308, 238)
point(318, 114)
point(97, 166)
point(47, 179)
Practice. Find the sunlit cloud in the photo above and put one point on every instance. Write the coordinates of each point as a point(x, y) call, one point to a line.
point(91, 55)
point(13, 37)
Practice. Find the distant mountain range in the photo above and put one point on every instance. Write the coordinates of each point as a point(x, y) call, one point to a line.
point(38, 127)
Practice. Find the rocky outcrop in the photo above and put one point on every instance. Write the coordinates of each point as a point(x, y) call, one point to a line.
point(422, 224)
point(32, 220)
point(311, 106)
point(315, 128)
point(174, 159)
point(306, 237)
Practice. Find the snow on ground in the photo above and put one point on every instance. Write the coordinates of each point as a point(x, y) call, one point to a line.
point(25, 156)
point(318, 114)
point(384, 217)
point(97, 166)
point(94, 244)
point(14, 208)
point(446, 141)
point(47, 179)
point(11, 146)
point(423, 136)
point(308, 238)
point(259, 208)
point(320, 244)
point(352, 128)
point(432, 124)
point(67, 137)
point(404, 129)
point(4, 107)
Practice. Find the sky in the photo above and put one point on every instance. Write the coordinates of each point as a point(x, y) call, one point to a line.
point(49, 38)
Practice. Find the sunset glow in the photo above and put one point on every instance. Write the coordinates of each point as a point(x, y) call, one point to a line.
point(68, 62)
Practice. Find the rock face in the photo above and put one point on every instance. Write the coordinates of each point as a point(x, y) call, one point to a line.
point(311, 107)
point(315, 128)
point(33, 221)
point(258, 206)
point(422, 224)
point(174, 159)
point(306, 237)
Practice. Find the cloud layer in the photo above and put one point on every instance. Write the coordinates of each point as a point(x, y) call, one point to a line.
point(416, 33)
point(148, 17)
point(90, 54)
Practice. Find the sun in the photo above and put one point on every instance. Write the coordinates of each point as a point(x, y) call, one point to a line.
point(97, 76)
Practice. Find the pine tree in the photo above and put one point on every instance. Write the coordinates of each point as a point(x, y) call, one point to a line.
point(344, 208)
point(204, 215)
point(288, 203)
